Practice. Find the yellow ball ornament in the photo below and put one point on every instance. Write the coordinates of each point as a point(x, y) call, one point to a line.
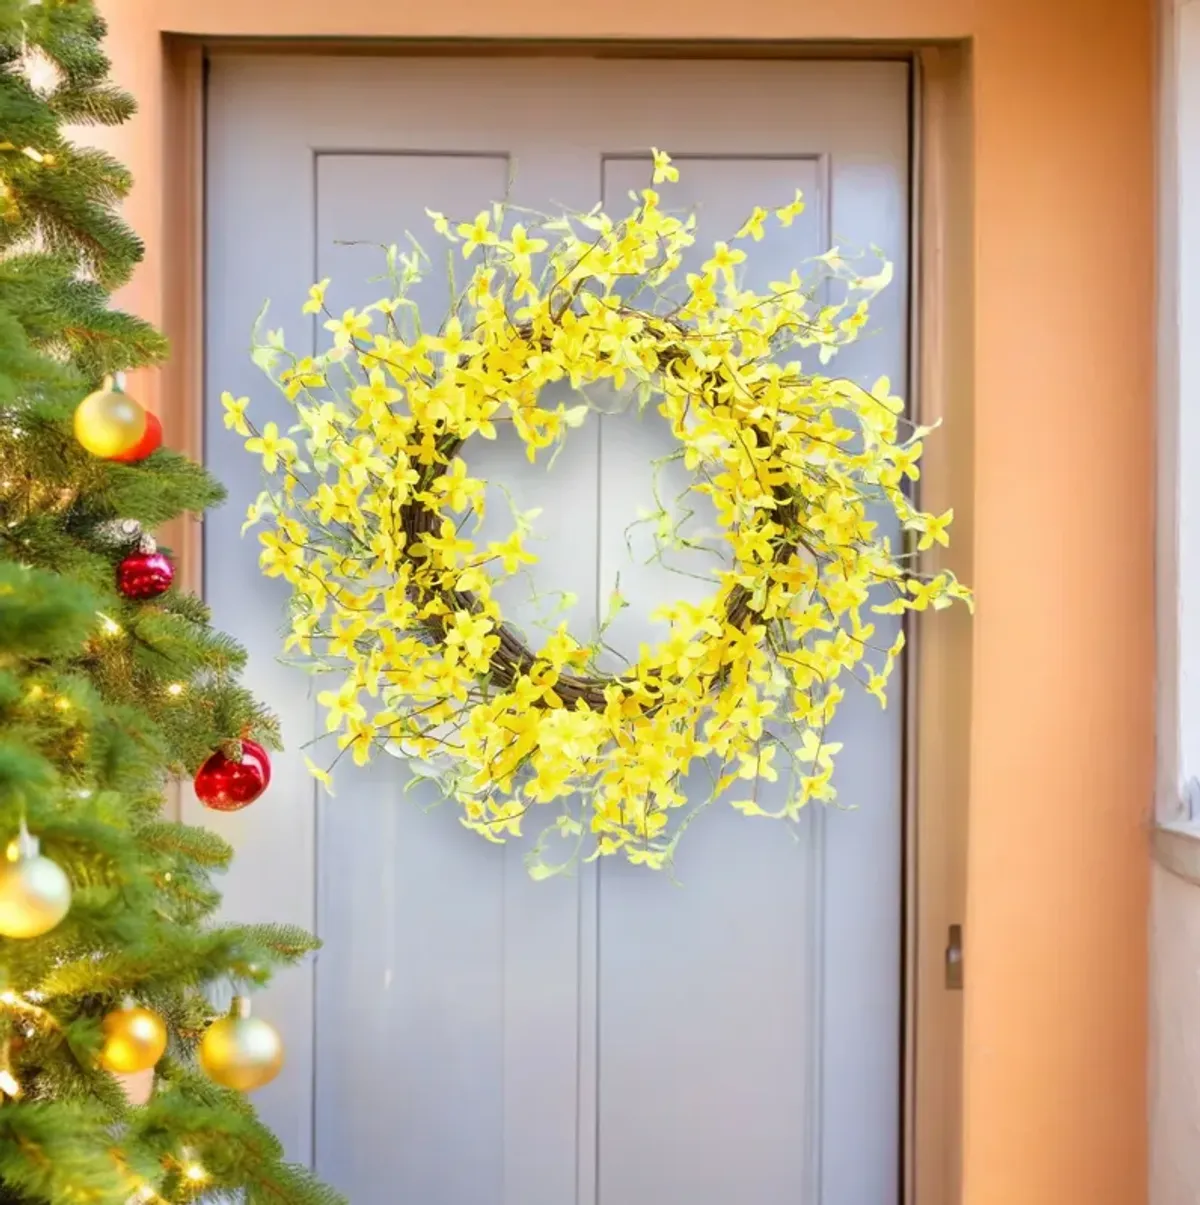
point(134, 1040)
point(109, 422)
point(35, 893)
point(240, 1051)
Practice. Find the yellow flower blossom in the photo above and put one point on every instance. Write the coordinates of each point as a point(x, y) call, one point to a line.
point(316, 298)
point(477, 233)
point(724, 260)
point(511, 553)
point(235, 413)
point(459, 490)
point(341, 705)
point(523, 248)
point(933, 530)
point(350, 327)
point(272, 447)
point(753, 226)
point(322, 776)
point(663, 170)
point(441, 225)
point(788, 213)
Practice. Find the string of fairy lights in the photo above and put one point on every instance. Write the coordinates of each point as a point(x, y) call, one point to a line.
point(238, 1051)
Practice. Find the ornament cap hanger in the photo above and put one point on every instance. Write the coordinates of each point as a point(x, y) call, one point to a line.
point(240, 1008)
point(28, 846)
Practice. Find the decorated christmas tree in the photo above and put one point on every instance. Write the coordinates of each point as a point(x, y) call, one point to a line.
point(111, 683)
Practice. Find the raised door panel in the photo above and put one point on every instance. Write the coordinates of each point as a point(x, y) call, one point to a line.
point(445, 970)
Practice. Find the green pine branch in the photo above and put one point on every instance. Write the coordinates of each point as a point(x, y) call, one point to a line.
point(59, 1151)
point(234, 1149)
point(93, 105)
point(102, 698)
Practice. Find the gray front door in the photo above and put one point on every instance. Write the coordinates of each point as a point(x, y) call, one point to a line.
point(467, 1036)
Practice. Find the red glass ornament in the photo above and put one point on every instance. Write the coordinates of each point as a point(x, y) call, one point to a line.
point(143, 575)
point(149, 442)
point(226, 785)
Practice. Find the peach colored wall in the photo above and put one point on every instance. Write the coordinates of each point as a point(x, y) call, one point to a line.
point(1062, 739)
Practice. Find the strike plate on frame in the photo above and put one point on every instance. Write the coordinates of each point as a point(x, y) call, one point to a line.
point(954, 959)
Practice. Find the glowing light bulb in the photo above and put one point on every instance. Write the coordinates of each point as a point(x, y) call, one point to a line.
point(194, 1172)
point(8, 1083)
point(175, 689)
point(109, 626)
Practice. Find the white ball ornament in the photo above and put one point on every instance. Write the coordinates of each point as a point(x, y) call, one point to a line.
point(35, 893)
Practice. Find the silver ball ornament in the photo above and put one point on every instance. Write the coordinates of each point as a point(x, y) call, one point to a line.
point(120, 533)
point(35, 893)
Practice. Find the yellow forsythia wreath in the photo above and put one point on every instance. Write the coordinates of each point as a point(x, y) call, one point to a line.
point(366, 522)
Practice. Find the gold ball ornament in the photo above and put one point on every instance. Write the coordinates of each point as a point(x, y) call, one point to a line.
point(109, 422)
point(35, 893)
point(134, 1040)
point(240, 1051)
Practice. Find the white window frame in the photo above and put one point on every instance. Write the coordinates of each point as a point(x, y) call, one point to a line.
point(1177, 617)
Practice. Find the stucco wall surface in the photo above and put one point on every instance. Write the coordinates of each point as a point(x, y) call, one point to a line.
point(1062, 741)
